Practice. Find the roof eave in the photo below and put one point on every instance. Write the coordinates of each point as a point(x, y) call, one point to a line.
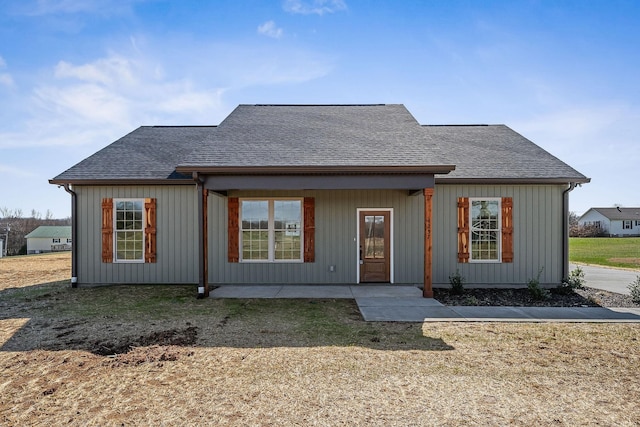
point(553, 180)
point(314, 170)
point(127, 181)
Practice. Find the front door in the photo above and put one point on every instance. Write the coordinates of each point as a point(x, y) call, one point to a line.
point(375, 253)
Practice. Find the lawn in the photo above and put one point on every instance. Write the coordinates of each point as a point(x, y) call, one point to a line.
point(156, 355)
point(611, 252)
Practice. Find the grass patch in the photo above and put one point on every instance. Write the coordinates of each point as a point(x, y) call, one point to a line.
point(610, 252)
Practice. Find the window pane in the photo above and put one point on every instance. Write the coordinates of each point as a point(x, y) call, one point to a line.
point(287, 225)
point(255, 214)
point(374, 237)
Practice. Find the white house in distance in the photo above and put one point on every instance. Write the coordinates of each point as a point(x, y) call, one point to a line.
point(49, 238)
point(618, 221)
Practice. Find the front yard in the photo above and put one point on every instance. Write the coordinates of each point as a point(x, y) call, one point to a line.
point(155, 355)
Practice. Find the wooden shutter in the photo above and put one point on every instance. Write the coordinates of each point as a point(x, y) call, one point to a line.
point(233, 229)
point(107, 230)
point(463, 229)
point(150, 230)
point(309, 229)
point(507, 229)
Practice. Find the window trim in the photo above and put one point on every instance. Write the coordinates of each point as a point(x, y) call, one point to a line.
point(499, 231)
point(142, 260)
point(627, 224)
point(271, 231)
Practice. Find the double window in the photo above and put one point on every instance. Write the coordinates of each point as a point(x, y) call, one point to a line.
point(271, 230)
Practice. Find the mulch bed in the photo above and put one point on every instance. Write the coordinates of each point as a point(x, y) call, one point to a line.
point(587, 297)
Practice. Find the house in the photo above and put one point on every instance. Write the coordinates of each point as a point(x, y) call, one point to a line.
point(320, 194)
point(49, 238)
point(617, 221)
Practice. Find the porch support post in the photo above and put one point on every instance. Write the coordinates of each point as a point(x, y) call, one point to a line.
point(427, 290)
point(203, 269)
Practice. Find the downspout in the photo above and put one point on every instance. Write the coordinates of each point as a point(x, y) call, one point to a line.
point(203, 273)
point(74, 234)
point(565, 229)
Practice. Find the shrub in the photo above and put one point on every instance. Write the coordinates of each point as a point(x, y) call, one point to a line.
point(571, 283)
point(634, 287)
point(457, 283)
point(536, 291)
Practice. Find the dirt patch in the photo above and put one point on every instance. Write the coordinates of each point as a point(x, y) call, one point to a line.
point(171, 337)
point(630, 261)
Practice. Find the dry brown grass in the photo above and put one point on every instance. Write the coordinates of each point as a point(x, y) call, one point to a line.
point(17, 272)
point(260, 363)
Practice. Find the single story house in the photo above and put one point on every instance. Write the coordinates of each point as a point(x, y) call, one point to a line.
point(320, 194)
point(618, 221)
point(49, 238)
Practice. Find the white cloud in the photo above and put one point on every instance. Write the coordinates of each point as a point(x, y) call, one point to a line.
point(114, 69)
point(5, 78)
point(269, 29)
point(310, 7)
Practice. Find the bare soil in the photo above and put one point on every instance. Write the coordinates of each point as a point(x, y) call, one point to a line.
point(155, 355)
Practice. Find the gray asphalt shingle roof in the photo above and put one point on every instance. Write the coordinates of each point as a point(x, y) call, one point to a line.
point(619, 214)
point(322, 136)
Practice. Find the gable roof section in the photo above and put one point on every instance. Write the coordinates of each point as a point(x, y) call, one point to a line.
point(50, 232)
point(318, 137)
point(615, 214)
point(149, 153)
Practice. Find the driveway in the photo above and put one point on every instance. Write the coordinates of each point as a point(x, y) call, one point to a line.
point(608, 279)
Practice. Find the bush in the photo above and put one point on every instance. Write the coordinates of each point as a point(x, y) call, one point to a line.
point(634, 287)
point(457, 283)
point(536, 291)
point(571, 283)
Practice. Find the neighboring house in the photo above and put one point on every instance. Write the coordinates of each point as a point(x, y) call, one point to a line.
point(617, 221)
point(49, 238)
point(320, 194)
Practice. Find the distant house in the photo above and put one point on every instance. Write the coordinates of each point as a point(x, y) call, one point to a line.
point(613, 221)
point(320, 194)
point(49, 238)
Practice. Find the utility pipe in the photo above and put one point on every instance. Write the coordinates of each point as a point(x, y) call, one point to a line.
point(565, 229)
point(74, 234)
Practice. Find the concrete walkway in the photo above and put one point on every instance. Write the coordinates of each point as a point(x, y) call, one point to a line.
point(388, 303)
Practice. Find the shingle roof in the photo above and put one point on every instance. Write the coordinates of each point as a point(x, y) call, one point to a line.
point(619, 214)
point(147, 153)
point(318, 135)
point(50, 231)
point(289, 136)
point(496, 152)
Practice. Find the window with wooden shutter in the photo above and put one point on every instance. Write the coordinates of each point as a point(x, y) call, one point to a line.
point(233, 229)
point(485, 229)
point(463, 229)
point(150, 231)
point(107, 230)
point(309, 229)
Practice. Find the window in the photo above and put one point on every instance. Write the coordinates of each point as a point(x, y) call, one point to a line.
point(56, 240)
point(271, 230)
point(122, 220)
point(485, 229)
point(68, 240)
point(626, 224)
point(129, 230)
point(637, 223)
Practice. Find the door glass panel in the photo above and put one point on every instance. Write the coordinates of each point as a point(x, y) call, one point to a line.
point(374, 236)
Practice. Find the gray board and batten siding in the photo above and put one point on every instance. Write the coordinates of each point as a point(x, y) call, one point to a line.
point(537, 237)
point(176, 238)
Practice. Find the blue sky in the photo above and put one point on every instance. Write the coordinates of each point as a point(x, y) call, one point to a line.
point(75, 75)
